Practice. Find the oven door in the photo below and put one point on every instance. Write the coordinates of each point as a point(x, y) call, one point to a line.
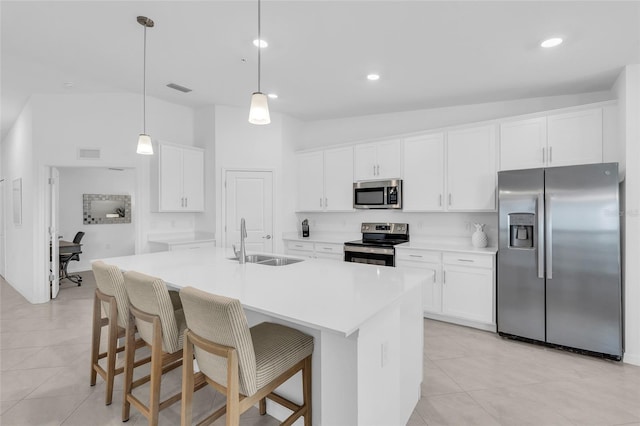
point(382, 256)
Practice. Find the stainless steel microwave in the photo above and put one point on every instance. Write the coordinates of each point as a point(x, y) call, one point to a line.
point(379, 194)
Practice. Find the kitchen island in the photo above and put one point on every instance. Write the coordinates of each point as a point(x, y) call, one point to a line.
point(366, 321)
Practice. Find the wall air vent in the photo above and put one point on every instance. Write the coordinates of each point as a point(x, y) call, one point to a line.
point(88, 154)
point(179, 88)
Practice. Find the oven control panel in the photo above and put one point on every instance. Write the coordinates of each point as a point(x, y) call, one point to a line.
point(385, 228)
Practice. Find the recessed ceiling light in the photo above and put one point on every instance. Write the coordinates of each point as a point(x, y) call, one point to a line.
point(68, 84)
point(272, 96)
point(260, 43)
point(551, 42)
point(373, 77)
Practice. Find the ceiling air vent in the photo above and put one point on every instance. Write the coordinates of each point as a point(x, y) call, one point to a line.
point(88, 154)
point(179, 88)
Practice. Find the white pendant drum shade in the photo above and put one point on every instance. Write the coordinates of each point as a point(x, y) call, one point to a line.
point(144, 140)
point(259, 112)
point(144, 145)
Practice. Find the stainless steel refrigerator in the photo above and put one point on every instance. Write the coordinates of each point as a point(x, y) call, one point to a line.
point(558, 275)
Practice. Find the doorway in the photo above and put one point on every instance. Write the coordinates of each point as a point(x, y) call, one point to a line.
point(248, 194)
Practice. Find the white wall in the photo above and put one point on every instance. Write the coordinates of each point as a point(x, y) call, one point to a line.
point(49, 133)
point(241, 145)
point(627, 89)
point(205, 137)
point(17, 162)
point(330, 132)
point(100, 240)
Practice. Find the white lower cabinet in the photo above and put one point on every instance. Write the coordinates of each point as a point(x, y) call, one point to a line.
point(460, 286)
point(329, 251)
point(431, 262)
point(313, 250)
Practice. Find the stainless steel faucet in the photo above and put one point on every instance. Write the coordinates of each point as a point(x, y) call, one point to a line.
point(242, 254)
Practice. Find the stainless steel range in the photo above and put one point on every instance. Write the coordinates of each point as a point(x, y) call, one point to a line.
point(377, 244)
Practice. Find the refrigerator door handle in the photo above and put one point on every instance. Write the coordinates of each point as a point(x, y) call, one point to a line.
point(540, 213)
point(548, 242)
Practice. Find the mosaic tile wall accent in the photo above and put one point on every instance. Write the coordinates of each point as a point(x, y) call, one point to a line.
point(100, 209)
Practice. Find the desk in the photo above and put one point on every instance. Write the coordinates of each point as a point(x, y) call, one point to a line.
point(68, 251)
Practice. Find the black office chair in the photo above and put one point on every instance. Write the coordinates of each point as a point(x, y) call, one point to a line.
point(65, 258)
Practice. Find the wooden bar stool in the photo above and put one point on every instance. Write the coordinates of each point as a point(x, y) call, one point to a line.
point(160, 322)
point(110, 297)
point(245, 364)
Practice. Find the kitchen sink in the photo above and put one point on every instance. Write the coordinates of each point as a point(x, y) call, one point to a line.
point(262, 259)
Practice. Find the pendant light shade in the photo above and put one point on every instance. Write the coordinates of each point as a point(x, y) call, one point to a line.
point(259, 111)
point(144, 140)
point(144, 145)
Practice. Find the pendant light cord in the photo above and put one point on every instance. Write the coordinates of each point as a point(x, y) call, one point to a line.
point(144, 83)
point(259, 46)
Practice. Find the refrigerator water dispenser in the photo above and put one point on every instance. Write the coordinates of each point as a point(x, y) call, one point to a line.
point(521, 230)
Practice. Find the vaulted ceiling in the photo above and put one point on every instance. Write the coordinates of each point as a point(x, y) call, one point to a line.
point(428, 53)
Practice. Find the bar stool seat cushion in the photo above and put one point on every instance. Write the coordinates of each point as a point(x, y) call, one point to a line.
point(277, 348)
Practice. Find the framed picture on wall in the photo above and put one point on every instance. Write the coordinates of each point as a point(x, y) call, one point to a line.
point(17, 201)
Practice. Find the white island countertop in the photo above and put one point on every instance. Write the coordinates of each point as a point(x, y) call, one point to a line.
point(322, 294)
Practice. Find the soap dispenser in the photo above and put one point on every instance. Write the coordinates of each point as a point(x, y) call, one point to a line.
point(305, 228)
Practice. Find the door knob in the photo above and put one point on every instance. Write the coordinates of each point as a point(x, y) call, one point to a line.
point(267, 237)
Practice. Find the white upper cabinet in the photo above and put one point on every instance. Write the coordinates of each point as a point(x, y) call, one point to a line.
point(178, 179)
point(378, 160)
point(423, 185)
point(523, 144)
point(471, 169)
point(310, 181)
point(555, 140)
point(575, 138)
point(338, 179)
point(325, 180)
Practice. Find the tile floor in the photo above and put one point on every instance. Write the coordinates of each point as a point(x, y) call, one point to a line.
point(471, 377)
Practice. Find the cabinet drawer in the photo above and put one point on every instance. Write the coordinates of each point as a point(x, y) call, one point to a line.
point(463, 259)
point(300, 245)
point(329, 248)
point(415, 255)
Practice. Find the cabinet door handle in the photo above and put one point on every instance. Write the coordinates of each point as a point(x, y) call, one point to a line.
point(440, 200)
point(416, 255)
point(267, 237)
point(182, 202)
point(326, 202)
point(449, 198)
point(320, 202)
point(186, 201)
point(327, 248)
point(444, 277)
point(466, 260)
point(378, 169)
point(550, 154)
point(544, 157)
point(374, 169)
point(297, 245)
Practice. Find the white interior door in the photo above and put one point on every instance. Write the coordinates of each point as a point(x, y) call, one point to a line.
point(249, 195)
point(54, 199)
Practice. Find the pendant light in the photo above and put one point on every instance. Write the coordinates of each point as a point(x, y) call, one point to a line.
point(144, 140)
point(259, 111)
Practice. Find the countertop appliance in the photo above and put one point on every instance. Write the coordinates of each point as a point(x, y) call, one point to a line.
point(377, 244)
point(559, 277)
point(378, 194)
